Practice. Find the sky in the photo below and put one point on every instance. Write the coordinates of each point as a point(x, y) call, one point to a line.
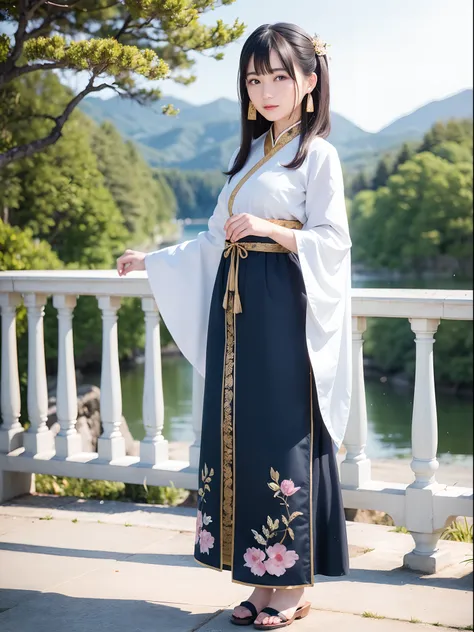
point(388, 57)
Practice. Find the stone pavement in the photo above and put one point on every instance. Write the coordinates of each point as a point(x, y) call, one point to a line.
point(75, 565)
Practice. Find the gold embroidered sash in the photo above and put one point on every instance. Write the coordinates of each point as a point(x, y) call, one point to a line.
point(240, 250)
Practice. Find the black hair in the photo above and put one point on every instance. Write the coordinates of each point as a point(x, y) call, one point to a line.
point(294, 47)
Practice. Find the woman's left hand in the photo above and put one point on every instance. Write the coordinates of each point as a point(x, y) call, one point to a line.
point(244, 224)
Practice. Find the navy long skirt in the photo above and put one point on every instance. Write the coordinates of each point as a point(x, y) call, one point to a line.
point(270, 506)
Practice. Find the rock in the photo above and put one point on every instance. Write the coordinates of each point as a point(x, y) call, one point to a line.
point(370, 516)
point(88, 423)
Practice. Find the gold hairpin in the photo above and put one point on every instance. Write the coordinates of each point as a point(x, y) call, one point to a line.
point(320, 46)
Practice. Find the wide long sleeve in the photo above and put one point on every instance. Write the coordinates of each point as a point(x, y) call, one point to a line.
point(324, 246)
point(182, 278)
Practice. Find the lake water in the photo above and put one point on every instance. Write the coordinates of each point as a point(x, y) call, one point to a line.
point(389, 407)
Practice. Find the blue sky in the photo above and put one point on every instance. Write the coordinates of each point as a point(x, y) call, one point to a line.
point(389, 57)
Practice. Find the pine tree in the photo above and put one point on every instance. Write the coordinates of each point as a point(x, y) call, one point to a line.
point(382, 174)
point(405, 153)
point(116, 43)
point(359, 183)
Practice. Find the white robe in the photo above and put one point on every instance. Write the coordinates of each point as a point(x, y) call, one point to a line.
point(182, 277)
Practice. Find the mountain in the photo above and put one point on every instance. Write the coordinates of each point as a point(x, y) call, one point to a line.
point(416, 123)
point(363, 150)
point(137, 121)
point(204, 136)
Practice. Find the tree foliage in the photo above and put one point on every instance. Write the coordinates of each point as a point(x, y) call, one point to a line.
point(76, 204)
point(360, 182)
point(119, 45)
point(60, 193)
point(423, 214)
point(458, 131)
point(418, 221)
point(196, 191)
point(20, 250)
point(390, 344)
point(454, 133)
point(382, 173)
point(146, 202)
point(405, 153)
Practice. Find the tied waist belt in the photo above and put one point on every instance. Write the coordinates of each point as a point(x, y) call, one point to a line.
point(240, 250)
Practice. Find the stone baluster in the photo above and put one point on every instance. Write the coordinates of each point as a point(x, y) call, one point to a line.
point(111, 444)
point(11, 430)
point(38, 438)
point(68, 441)
point(197, 403)
point(154, 447)
point(424, 430)
point(420, 515)
point(355, 469)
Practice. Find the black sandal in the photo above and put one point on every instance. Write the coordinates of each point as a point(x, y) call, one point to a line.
point(300, 613)
point(245, 620)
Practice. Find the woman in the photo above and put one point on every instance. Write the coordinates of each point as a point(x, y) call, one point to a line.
point(269, 282)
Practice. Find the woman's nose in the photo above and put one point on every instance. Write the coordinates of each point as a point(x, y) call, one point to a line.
point(267, 93)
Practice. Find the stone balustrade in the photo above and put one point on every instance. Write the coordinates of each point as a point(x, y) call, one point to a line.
point(424, 507)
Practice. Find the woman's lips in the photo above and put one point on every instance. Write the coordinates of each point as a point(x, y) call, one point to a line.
point(270, 107)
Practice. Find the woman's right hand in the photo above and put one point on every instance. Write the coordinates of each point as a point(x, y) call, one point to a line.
point(130, 261)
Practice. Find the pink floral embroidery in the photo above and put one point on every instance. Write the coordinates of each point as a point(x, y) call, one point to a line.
point(279, 559)
point(206, 541)
point(201, 520)
point(203, 536)
point(288, 487)
point(198, 526)
point(254, 560)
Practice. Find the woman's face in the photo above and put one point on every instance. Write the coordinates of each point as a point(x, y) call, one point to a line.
point(276, 96)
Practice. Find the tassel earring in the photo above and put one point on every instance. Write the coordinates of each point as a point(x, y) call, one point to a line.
point(310, 103)
point(252, 113)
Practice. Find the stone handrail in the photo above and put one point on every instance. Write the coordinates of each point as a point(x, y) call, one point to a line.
point(424, 507)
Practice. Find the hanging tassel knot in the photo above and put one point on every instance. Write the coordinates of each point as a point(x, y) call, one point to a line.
point(236, 252)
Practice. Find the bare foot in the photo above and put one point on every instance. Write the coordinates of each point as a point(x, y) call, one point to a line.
point(260, 599)
point(285, 601)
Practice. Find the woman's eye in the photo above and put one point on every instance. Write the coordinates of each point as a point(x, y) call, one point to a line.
point(255, 82)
